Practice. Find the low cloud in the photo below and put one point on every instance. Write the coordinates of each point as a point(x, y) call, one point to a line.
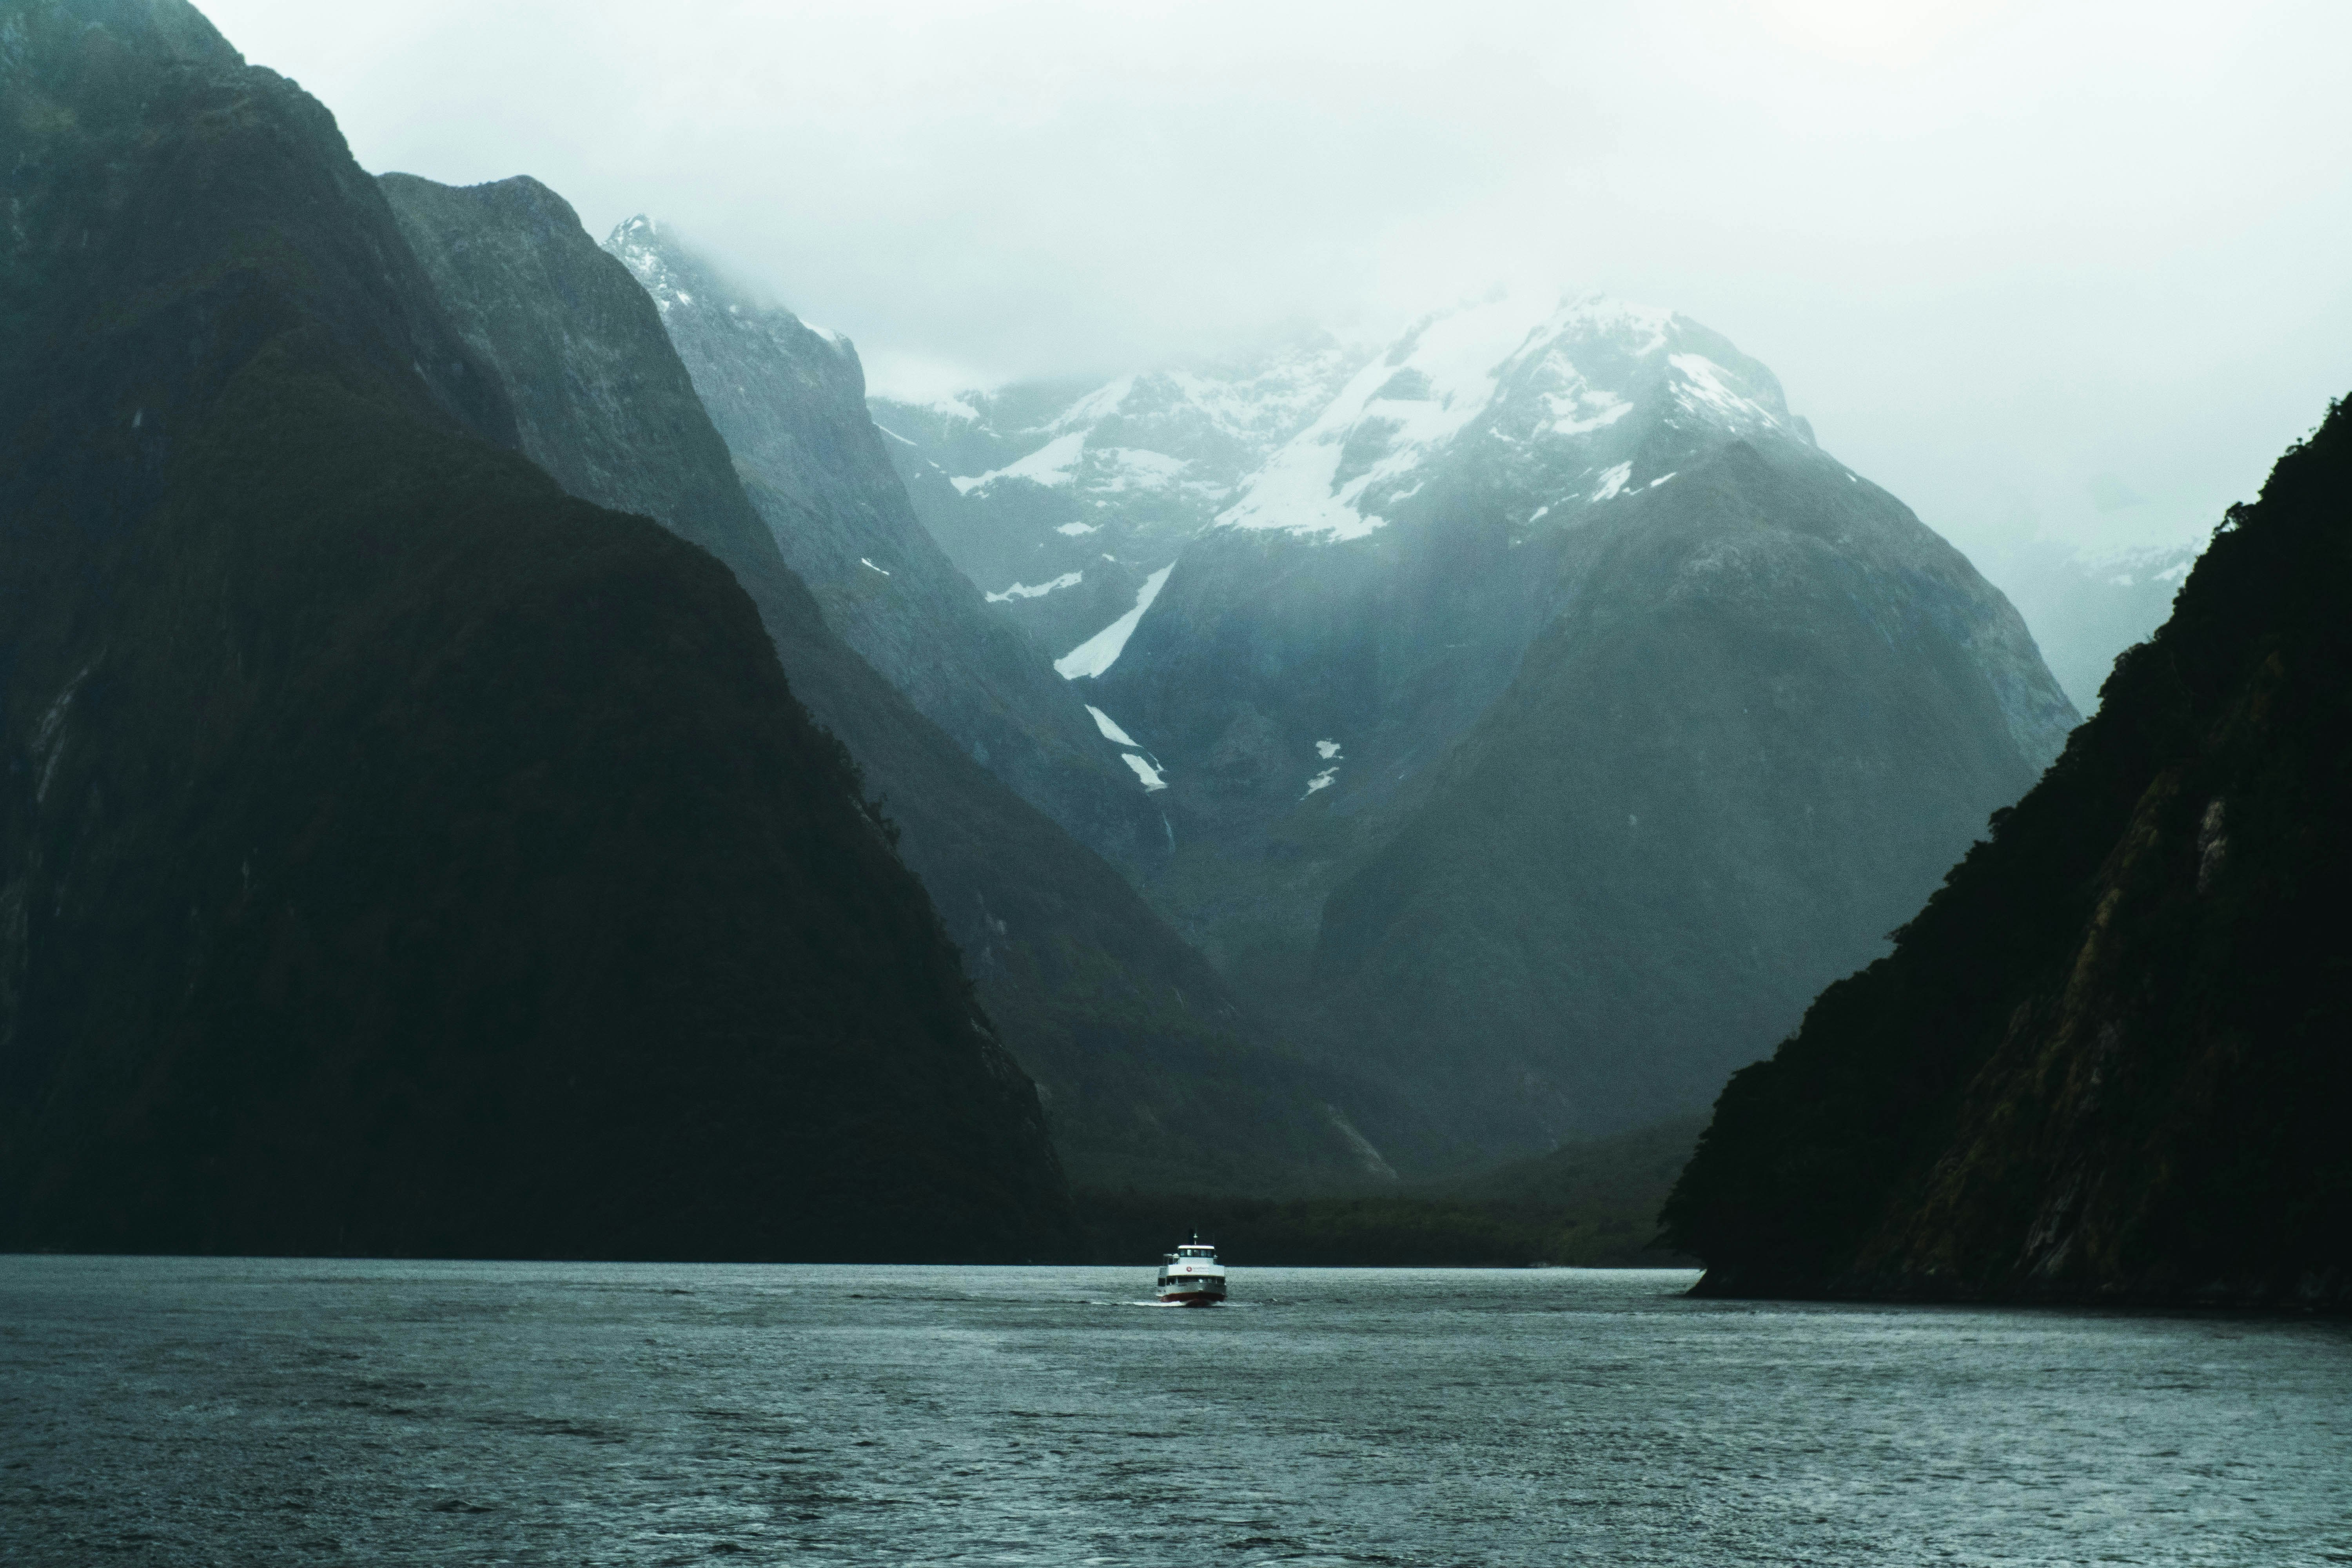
point(2001, 254)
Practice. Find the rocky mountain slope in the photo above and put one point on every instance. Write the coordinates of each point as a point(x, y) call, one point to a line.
point(790, 401)
point(1149, 1068)
point(2106, 1062)
point(1549, 717)
point(396, 854)
point(1753, 730)
point(1061, 499)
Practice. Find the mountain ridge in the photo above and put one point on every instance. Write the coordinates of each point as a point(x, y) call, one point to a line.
point(2104, 1062)
point(1123, 1027)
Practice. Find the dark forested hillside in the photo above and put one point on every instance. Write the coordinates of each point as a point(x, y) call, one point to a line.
point(2109, 1060)
point(396, 854)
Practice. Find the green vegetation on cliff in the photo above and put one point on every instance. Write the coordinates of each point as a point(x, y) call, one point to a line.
point(2109, 1060)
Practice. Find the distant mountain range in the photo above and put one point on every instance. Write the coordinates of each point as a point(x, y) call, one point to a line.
point(2107, 1060)
point(2088, 607)
point(1540, 716)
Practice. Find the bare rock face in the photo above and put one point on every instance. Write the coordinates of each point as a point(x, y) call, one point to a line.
point(2106, 1062)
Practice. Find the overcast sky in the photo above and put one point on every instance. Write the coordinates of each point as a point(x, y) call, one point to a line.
point(2016, 261)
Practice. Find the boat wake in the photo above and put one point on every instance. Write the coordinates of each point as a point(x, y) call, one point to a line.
point(1227, 1306)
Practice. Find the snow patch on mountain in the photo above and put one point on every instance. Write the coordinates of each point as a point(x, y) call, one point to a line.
point(1146, 772)
point(1133, 467)
point(1150, 457)
point(1100, 651)
point(1093, 409)
point(1024, 590)
point(1110, 728)
point(1051, 465)
point(1584, 409)
point(1300, 490)
point(1544, 389)
point(1410, 402)
point(637, 243)
point(1700, 387)
point(2136, 564)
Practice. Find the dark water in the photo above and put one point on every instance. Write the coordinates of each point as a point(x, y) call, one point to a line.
point(199, 1411)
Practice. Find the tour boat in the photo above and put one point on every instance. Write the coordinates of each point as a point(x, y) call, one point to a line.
point(1190, 1276)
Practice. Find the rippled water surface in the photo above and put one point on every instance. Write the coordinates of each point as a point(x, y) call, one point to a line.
point(208, 1411)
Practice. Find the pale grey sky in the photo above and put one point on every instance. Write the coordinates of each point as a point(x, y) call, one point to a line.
point(2016, 261)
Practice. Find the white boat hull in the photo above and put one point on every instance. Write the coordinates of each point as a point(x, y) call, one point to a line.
point(1193, 1293)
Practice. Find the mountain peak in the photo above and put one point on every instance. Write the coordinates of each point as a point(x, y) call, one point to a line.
point(1566, 399)
point(680, 278)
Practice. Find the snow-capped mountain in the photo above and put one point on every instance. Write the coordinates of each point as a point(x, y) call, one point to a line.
point(1509, 424)
point(1062, 499)
point(1539, 413)
point(1530, 570)
point(789, 399)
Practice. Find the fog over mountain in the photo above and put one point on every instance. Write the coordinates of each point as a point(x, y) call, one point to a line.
point(1539, 716)
point(2065, 277)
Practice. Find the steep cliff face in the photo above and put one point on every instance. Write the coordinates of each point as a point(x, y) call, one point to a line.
point(1150, 1071)
point(2106, 1062)
point(397, 855)
point(790, 401)
point(599, 402)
